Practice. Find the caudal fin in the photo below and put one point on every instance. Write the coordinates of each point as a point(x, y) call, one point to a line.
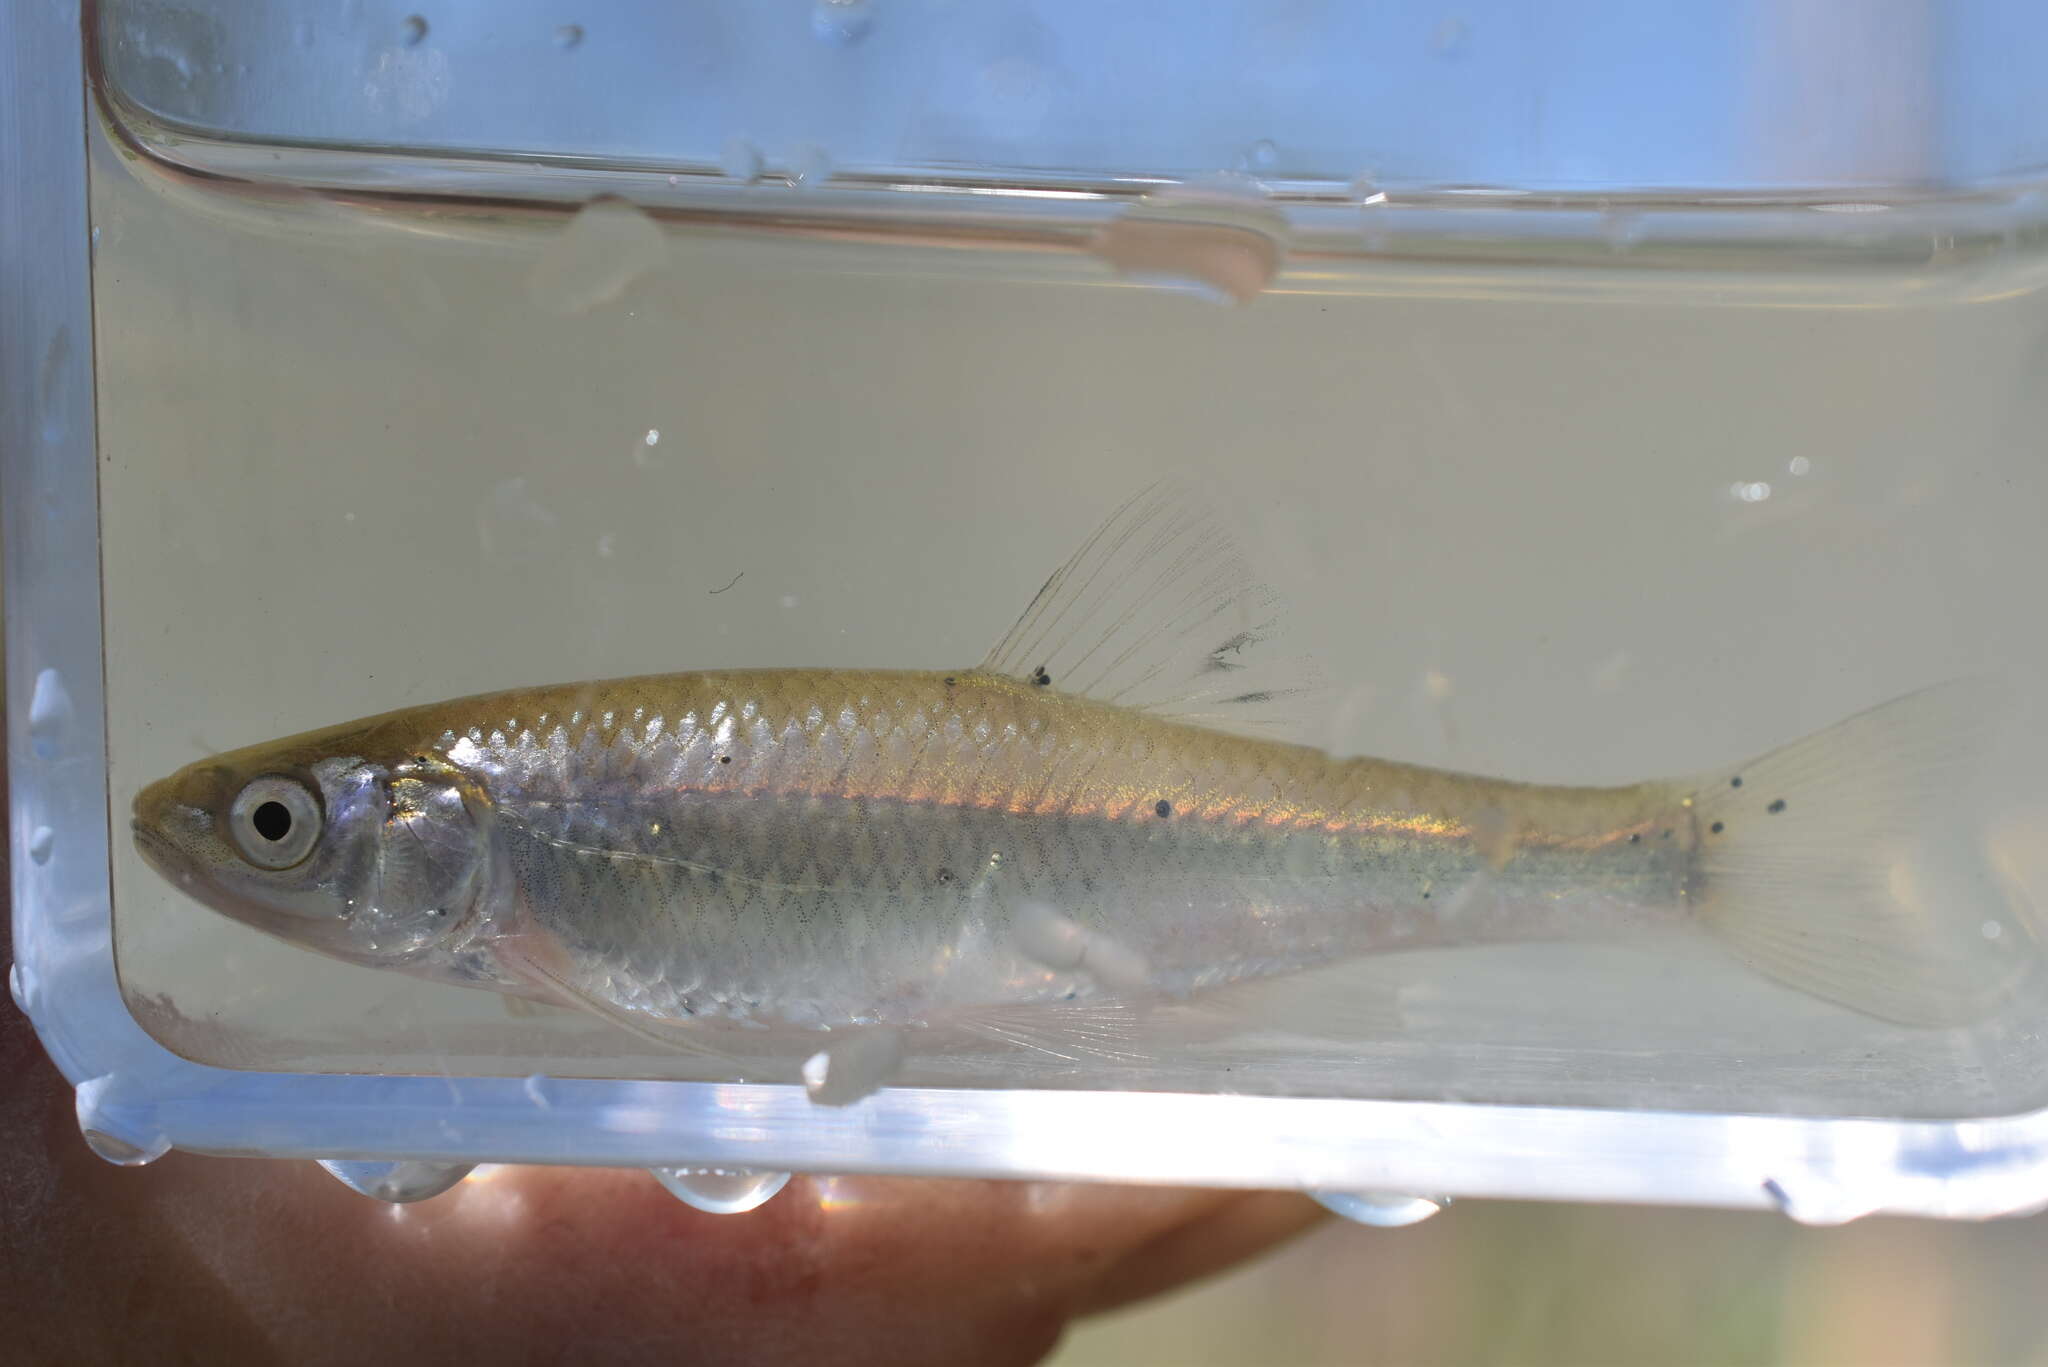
point(1850, 864)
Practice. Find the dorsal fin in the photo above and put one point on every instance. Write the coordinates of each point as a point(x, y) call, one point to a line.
point(1160, 610)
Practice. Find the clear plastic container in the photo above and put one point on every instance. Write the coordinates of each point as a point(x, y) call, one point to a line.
point(1587, 448)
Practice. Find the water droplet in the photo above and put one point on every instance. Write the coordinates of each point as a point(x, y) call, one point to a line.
point(653, 437)
point(538, 1092)
point(1622, 228)
point(568, 37)
point(721, 1191)
point(49, 714)
point(1799, 465)
point(1750, 491)
point(741, 160)
point(120, 1138)
point(789, 600)
point(302, 33)
point(1450, 38)
point(1811, 1201)
point(1261, 155)
point(1216, 240)
point(1387, 1210)
point(41, 843)
point(675, 181)
point(396, 1182)
point(810, 168)
point(606, 545)
point(602, 251)
point(95, 237)
point(1991, 930)
point(348, 517)
point(21, 985)
point(414, 30)
point(842, 22)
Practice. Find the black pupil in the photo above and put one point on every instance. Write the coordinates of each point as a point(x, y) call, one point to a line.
point(272, 821)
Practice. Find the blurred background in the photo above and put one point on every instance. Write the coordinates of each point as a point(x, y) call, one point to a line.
point(1499, 1283)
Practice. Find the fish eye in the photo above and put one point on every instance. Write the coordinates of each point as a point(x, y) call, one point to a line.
point(275, 822)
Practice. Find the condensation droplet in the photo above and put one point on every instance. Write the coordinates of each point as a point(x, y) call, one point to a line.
point(569, 37)
point(1811, 1201)
point(606, 545)
point(49, 714)
point(721, 1191)
point(1799, 465)
point(810, 168)
point(1991, 930)
point(537, 1091)
point(1622, 229)
point(1261, 154)
point(21, 985)
point(124, 1145)
point(741, 160)
point(40, 843)
point(1387, 1210)
point(397, 1183)
point(413, 30)
point(789, 600)
point(1450, 37)
point(1217, 241)
point(607, 246)
point(1750, 491)
point(842, 22)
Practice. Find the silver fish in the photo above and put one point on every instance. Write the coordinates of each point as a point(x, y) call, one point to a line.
point(1084, 825)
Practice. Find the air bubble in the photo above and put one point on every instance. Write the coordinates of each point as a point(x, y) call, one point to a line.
point(1387, 1210)
point(741, 160)
point(842, 23)
point(1750, 491)
point(40, 843)
point(721, 1191)
point(397, 1183)
point(49, 714)
point(569, 37)
point(413, 30)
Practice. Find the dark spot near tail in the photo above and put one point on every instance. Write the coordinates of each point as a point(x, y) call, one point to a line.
point(1776, 807)
point(1163, 807)
point(725, 759)
point(438, 911)
point(1635, 837)
point(1735, 782)
point(1425, 896)
point(1665, 835)
point(1040, 678)
point(1251, 698)
point(1716, 828)
point(950, 681)
point(944, 875)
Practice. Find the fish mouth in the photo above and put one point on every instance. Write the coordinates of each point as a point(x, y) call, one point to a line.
point(161, 853)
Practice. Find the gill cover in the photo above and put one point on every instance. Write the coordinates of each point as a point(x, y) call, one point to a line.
point(425, 870)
